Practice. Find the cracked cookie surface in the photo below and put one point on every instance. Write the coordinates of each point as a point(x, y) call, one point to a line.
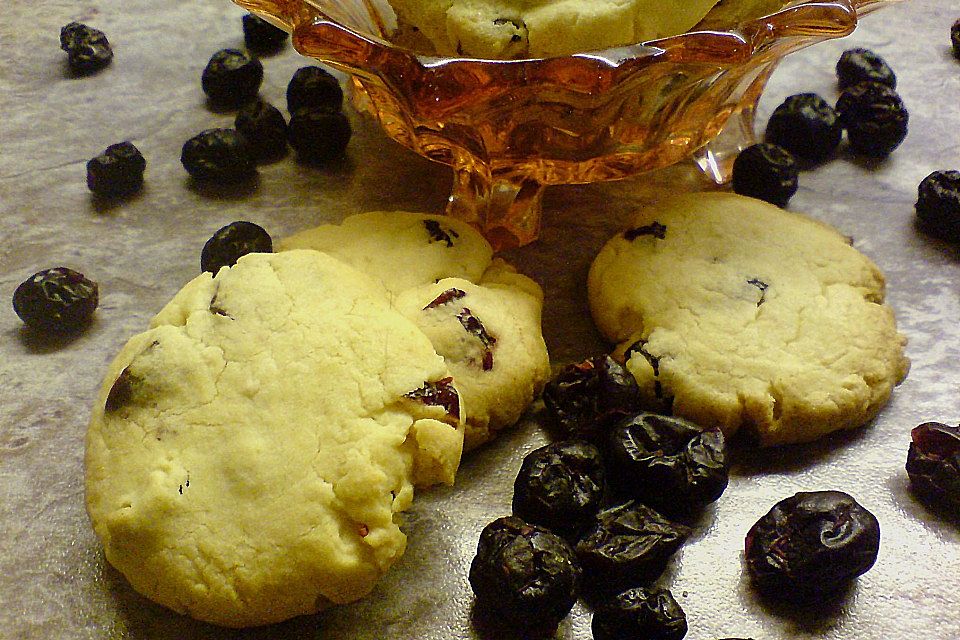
point(250, 452)
point(745, 316)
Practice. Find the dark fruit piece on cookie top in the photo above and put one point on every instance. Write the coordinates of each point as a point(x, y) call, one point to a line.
point(231, 242)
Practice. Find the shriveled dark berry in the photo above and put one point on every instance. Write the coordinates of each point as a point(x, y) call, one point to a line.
point(260, 35)
point(218, 155)
point(118, 171)
point(862, 65)
point(806, 126)
point(314, 88)
point(87, 48)
point(319, 135)
point(938, 204)
point(229, 243)
point(627, 544)
point(59, 300)
point(668, 462)
point(524, 574)
point(875, 118)
point(586, 398)
point(810, 545)
point(231, 77)
point(264, 128)
point(955, 38)
point(560, 486)
point(933, 464)
point(651, 614)
point(766, 171)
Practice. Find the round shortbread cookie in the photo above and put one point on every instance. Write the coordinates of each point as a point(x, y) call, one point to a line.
point(418, 257)
point(249, 453)
point(735, 313)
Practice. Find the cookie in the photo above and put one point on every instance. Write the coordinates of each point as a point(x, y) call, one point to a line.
point(505, 29)
point(480, 314)
point(249, 453)
point(732, 312)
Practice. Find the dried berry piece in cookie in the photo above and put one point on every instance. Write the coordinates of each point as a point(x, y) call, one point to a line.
point(933, 464)
point(313, 88)
point(862, 65)
point(229, 243)
point(766, 171)
point(439, 234)
point(474, 327)
point(262, 125)
point(668, 462)
point(938, 204)
point(586, 398)
point(58, 300)
point(560, 486)
point(806, 126)
point(87, 48)
point(447, 296)
point(231, 77)
point(810, 545)
point(218, 155)
point(654, 229)
point(626, 545)
point(875, 118)
point(440, 393)
point(260, 35)
point(318, 134)
point(118, 171)
point(652, 614)
point(524, 574)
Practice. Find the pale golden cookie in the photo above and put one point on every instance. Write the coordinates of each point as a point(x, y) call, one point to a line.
point(738, 314)
point(248, 455)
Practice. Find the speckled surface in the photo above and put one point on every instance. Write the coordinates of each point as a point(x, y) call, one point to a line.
point(54, 582)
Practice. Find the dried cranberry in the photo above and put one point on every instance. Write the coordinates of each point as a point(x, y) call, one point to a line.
point(874, 117)
point(585, 398)
point(439, 234)
point(627, 544)
point(229, 243)
point(862, 65)
point(651, 614)
point(263, 127)
point(87, 48)
point(313, 88)
point(218, 155)
point(668, 462)
point(440, 393)
point(118, 171)
point(938, 204)
point(524, 574)
point(231, 77)
point(811, 544)
point(56, 300)
point(933, 464)
point(767, 172)
point(806, 126)
point(319, 135)
point(260, 35)
point(560, 486)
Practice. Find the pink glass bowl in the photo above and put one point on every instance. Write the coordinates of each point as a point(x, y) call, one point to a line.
point(508, 128)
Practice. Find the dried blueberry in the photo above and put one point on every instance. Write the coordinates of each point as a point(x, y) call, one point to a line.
point(313, 88)
point(585, 398)
point(524, 574)
point(319, 135)
point(955, 38)
point(56, 300)
point(627, 544)
point(260, 35)
point(862, 65)
point(87, 48)
point(806, 126)
point(811, 544)
point(874, 117)
point(933, 464)
point(231, 77)
point(651, 614)
point(668, 462)
point(263, 127)
point(220, 155)
point(766, 171)
point(229, 243)
point(938, 204)
point(118, 171)
point(560, 486)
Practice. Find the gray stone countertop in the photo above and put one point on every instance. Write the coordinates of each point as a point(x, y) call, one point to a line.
point(54, 581)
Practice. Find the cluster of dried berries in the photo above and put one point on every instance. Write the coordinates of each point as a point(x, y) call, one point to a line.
point(319, 130)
